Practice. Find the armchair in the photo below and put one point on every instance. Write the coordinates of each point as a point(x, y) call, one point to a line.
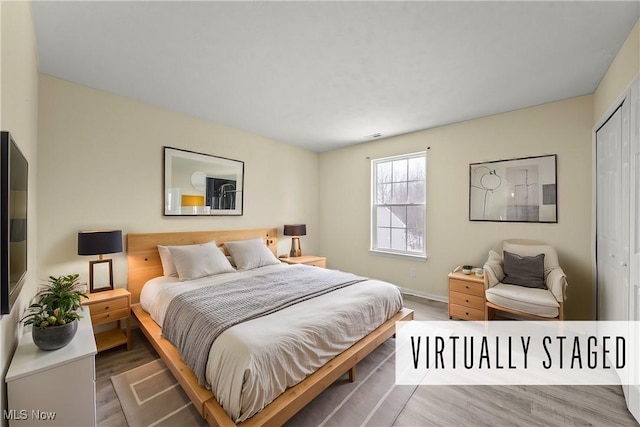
point(543, 300)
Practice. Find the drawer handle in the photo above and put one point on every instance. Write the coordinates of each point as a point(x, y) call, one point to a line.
point(467, 313)
point(466, 287)
point(106, 308)
point(466, 300)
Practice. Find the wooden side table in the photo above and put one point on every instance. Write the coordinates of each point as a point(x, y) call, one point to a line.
point(317, 261)
point(466, 296)
point(112, 306)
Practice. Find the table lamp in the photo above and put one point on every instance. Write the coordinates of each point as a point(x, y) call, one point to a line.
point(99, 242)
point(295, 230)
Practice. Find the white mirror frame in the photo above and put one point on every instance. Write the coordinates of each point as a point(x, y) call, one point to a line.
point(221, 194)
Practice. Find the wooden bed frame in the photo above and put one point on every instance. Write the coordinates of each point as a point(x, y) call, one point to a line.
point(144, 264)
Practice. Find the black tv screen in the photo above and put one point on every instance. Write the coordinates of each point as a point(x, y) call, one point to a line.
point(13, 221)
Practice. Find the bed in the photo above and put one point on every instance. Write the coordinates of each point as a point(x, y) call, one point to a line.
point(145, 266)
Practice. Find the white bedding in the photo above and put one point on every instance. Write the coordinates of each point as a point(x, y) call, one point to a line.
point(250, 364)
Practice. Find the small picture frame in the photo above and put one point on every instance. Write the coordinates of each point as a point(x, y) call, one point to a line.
point(100, 275)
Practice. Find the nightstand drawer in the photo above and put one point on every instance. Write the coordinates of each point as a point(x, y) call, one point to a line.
point(466, 300)
point(466, 287)
point(110, 316)
point(320, 263)
point(465, 313)
point(110, 305)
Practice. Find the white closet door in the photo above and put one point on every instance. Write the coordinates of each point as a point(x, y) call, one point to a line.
point(625, 212)
point(609, 220)
point(633, 395)
point(618, 230)
point(624, 250)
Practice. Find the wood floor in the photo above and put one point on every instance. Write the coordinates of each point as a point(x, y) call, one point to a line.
point(429, 406)
point(114, 362)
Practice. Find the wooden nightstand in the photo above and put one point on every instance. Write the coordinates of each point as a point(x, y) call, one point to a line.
point(109, 307)
point(466, 296)
point(317, 261)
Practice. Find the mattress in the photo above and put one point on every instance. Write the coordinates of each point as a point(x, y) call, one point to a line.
point(252, 363)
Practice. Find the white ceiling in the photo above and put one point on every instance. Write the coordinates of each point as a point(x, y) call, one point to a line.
point(328, 74)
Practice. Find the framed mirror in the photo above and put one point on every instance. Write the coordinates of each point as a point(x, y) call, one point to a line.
point(201, 184)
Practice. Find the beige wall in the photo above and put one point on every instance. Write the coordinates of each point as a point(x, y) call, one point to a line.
point(562, 128)
point(621, 72)
point(101, 167)
point(19, 115)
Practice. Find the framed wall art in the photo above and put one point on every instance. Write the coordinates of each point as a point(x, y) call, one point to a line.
point(514, 190)
point(201, 184)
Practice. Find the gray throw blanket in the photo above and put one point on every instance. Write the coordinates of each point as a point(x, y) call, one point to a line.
point(194, 319)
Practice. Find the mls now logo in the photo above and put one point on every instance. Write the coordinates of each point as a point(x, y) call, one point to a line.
point(16, 414)
point(23, 414)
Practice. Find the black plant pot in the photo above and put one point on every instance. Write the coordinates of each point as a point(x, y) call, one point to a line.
point(54, 337)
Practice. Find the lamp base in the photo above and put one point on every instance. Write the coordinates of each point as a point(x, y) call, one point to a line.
point(295, 247)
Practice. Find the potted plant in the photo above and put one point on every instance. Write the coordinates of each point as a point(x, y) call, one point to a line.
point(54, 314)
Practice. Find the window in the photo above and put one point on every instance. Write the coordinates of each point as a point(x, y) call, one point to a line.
point(398, 204)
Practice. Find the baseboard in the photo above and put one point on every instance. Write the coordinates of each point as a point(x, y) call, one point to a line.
point(425, 295)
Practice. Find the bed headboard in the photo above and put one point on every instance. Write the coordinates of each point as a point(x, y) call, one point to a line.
point(144, 260)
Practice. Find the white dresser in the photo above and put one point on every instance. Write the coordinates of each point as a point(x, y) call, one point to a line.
point(54, 388)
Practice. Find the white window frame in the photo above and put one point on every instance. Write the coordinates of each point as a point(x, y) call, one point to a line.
point(374, 249)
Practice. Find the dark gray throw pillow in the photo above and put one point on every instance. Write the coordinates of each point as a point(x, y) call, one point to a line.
point(525, 271)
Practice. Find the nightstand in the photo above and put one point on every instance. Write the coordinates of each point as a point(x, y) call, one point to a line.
point(317, 261)
point(60, 382)
point(109, 307)
point(466, 296)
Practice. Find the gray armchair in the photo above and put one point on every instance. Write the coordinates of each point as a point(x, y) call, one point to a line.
point(543, 301)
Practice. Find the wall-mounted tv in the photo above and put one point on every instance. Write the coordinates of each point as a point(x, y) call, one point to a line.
point(13, 221)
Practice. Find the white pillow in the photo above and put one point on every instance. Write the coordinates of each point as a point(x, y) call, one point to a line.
point(195, 261)
point(250, 254)
point(168, 266)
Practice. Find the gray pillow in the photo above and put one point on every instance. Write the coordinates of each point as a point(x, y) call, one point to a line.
point(525, 271)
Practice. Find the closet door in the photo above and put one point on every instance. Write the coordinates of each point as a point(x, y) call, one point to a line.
point(610, 220)
point(625, 212)
point(633, 395)
point(618, 231)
